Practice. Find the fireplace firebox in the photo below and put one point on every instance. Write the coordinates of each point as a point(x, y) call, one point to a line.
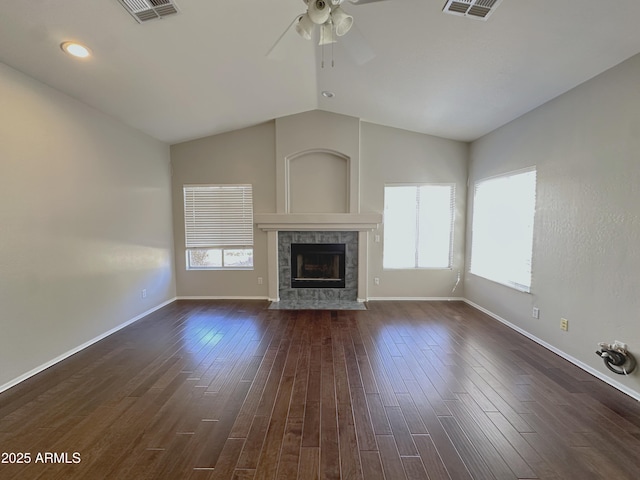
point(318, 265)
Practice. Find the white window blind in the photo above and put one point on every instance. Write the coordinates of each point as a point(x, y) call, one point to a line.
point(218, 216)
point(418, 226)
point(502, 229)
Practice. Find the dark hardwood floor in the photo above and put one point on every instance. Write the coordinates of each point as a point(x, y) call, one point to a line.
point(229, 389)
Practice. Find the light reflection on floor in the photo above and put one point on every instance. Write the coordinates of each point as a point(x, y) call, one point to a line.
point(204, 331)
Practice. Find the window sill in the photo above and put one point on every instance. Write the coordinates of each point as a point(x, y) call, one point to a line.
point(219, 269)
point(514, 286)
point(416, 268)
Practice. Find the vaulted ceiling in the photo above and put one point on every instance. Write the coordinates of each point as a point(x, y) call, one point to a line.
point(205, 70)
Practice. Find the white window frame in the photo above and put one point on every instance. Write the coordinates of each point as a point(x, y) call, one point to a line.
point(416, 247)
point(218, 217)
point(496, 245)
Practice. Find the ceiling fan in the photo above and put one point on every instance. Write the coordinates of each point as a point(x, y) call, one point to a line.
point(332, 22)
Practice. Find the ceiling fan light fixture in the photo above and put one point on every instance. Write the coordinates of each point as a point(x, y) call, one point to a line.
point(342, 20)
point(327, 34)
point(304, 27)
point(319, 11)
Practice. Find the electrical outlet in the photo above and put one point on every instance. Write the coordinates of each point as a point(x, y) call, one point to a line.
point(564, 324)
point(376, 238)
point(376, 280)
point(535, 313)
point(259, 280)
point(144, 293)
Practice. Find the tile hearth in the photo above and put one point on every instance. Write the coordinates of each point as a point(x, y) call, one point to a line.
point(317, 305)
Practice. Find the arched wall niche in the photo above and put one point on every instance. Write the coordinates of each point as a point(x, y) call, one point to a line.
point(317, 131)
point(317, 181)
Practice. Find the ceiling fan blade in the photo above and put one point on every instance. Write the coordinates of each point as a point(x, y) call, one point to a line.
point(357, 46)
point(273, 51)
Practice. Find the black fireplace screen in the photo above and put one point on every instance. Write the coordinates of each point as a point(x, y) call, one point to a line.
point(317, 265)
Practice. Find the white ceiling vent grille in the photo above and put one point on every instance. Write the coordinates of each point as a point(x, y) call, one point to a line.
point(478, 9)
point(143, 10)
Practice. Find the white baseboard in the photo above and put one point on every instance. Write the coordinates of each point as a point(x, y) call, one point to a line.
point(416, 299)
point(623, 388)
point(206, 297)
point(75, 350)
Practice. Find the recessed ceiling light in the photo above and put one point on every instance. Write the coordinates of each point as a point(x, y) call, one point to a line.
point(328, 94)
point(75, 49)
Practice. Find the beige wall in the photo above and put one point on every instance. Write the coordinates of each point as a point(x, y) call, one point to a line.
point(389, 155)
point(241, 156)
point(386, 155)
point(86, 224)
point(318, 183)
point(586, 258)
point(322, 135)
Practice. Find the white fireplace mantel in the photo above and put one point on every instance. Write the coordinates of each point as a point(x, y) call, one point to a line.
point(354, 222)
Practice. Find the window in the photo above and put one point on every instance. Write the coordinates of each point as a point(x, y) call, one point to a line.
point(502, 229)
point(218, 221)
point(418, 226)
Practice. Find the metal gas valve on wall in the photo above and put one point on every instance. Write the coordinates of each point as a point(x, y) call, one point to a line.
point(616, 357)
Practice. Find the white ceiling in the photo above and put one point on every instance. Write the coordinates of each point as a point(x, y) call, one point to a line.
point(205, 70)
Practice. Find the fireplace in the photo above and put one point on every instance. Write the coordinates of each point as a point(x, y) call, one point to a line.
point(327, 291)
point(318, 265)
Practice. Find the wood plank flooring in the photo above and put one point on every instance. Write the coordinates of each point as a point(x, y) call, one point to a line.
point(405, 390)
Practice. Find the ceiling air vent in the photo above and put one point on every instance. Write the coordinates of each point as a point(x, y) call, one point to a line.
point(478, 9)
point(143, 10)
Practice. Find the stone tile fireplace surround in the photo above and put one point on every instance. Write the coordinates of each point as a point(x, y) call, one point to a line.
point(285, 289)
